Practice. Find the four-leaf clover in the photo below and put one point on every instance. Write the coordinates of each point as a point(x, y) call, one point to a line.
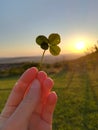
point(50, 43)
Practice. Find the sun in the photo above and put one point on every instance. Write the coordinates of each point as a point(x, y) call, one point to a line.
point(80, 45)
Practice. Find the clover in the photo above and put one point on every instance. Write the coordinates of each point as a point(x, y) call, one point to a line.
point(50, 43)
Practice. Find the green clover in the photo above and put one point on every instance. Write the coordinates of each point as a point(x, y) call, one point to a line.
point(50, 43)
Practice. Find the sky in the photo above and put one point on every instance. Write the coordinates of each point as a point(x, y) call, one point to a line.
point(21, 21)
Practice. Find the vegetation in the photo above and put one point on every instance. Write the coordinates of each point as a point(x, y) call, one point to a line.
point(77, 107)
point(93, 49)
point(76, 85)
point(7, 70)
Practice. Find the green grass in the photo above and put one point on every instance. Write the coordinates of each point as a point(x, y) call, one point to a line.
point(6, 85)
point(77, 106)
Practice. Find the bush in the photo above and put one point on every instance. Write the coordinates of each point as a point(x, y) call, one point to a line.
point(93, 49)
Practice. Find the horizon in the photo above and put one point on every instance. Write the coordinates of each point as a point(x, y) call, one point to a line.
point(47, 55)
point(47, 58)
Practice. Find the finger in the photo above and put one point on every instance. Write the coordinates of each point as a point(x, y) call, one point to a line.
point(46, 87)
point(47, 113)
point(29, 103)
point(18, 91)
point(41, 76)
point(46, 83)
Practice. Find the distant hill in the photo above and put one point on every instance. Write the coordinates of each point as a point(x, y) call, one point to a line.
point(47, 59)
point(88, 62)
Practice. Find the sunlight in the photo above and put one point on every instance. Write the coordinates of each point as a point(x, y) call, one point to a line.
point(80, 45)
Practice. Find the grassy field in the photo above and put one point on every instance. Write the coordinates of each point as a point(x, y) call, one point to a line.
point(6, 85)
point(77, 106)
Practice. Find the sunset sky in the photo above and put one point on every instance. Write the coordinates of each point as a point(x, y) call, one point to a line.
point(21, 21)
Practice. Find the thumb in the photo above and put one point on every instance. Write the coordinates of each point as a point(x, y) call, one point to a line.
point(29, 103)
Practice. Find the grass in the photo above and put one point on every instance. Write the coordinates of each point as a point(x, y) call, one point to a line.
point(77, 106)
point(6, 85)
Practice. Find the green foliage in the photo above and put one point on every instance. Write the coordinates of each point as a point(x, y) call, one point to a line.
point(7, 70)
point(50, 43)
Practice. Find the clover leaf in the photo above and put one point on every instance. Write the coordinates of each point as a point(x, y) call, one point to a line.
point(44, 46)
point(41, 39)
point(54, 39)
point(55, 50)
point(50, 43)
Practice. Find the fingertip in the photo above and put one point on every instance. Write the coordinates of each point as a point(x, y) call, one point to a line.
point(29, 75)
point(33, 70)
point(41, 76)
point(52, 97)
point(48, 83)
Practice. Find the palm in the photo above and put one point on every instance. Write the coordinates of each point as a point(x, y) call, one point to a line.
point(42, 117)
point(37, 123)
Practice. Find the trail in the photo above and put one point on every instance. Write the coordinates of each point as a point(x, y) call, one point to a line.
point(69, 81)
point(93, 78)
point(90, 106)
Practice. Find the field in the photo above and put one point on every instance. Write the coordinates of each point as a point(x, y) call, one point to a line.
point(6, 85)
point(77, 106)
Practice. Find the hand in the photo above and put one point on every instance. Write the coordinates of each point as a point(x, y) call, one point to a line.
point(31, 103)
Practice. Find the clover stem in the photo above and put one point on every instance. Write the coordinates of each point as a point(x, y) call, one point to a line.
point(40, 65)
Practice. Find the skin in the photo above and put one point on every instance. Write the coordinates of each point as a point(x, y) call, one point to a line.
point(31, 103)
